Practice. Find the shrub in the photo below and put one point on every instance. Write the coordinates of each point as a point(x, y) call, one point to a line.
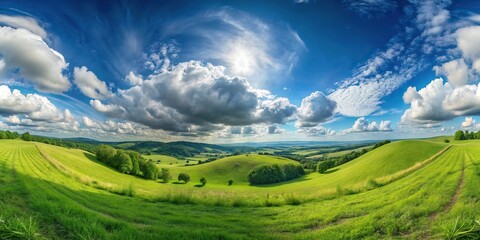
point(150, 171)
point(183, 177)
point(323, 166)
point(165, 175)
point(230, 182)
point(203, 181)
point(275, 173)
point(446, 141)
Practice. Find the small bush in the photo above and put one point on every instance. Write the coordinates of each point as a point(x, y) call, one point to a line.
point(323, 166)
point(446, 141)
point(183, 177)
point(203, 181)
point(165, 175)
point(230, 182)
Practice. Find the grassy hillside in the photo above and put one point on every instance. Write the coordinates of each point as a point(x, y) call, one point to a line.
point(383, 161)
point(423, 203)
point(179, 149)
point(235, 168)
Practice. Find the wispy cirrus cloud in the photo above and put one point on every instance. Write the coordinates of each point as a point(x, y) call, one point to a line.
point(245, 45)
point(426, 33)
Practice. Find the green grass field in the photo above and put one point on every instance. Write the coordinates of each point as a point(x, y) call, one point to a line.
point(341, 153)
point(416, 189)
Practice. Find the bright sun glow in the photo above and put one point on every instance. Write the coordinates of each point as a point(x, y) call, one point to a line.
point(241, 60)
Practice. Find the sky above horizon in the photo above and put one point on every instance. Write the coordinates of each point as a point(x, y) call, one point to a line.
point(237, 71)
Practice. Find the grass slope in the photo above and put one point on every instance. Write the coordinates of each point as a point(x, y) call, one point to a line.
point(383, 161)
point(380, 162)
point(236, 168)
point(423, 204)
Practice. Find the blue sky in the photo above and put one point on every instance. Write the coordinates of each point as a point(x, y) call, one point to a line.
point(234, 71)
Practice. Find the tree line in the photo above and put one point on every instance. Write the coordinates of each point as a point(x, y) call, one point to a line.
point(461, 135)
point(8, 135)
point(26, 136)
point(58, 142)
point(128, 162)
point(275, 173)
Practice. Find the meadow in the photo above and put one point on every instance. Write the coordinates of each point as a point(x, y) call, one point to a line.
point(411, 189)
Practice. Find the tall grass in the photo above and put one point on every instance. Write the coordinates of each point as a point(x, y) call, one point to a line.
point(460, 229)
point(17, 228)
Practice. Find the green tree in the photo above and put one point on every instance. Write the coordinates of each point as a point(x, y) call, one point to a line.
point(25, 136)
point(123, 162)
point(266, 174)
point(165, 175)
point(11, 136)
point(135, 157)
point(150, 171)
point(203, 181)
point(183, 177)
point(15, 135)
point(459, 135)
point(3, 135)
point(323, 166)
point(105, 154)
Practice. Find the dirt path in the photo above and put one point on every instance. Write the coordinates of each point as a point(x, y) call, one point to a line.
point(455, 196)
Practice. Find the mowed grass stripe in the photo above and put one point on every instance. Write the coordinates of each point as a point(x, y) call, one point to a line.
point(53, 201)
point(383, 198)
point(399, 209)
point(387, 220)
point(465, 210)
point(39, 166)
point(77, 223)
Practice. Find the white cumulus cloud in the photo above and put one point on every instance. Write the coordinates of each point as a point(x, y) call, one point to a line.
point(362, 125)
point(23, 22)
point(89, 84)
point(469, 122)
point(192, 96)
point(315, 108)
point(35, 60)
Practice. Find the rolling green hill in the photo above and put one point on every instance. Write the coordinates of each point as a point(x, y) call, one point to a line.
point(235, 168)
point(59, 193)
point(179, 149)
